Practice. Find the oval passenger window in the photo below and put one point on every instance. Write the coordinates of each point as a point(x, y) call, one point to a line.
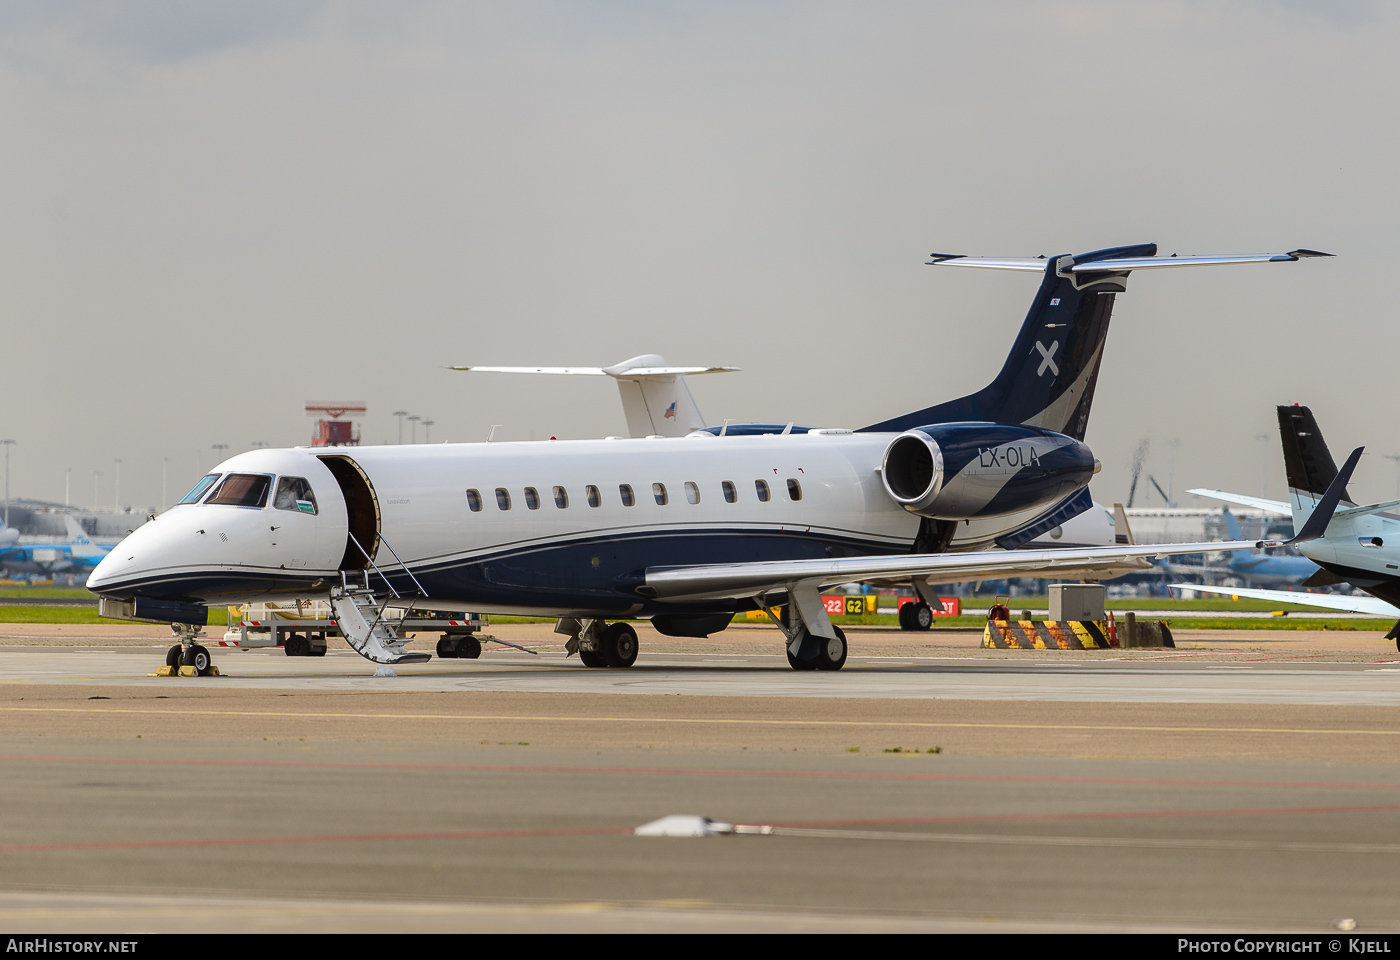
point(658, 490)
point(474, 501)
point(794, 489)
point(625, 489)
point(730, 494)
point(561, 497)
point(692, 492)
point(532, 498)
point(595, 499)
point(762, 487)
point(502, 498)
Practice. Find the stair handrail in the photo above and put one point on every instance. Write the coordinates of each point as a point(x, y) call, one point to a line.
point(402, 564)
point(376, 566)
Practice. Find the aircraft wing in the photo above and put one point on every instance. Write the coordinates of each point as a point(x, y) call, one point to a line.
point(756, 579)
point(1258, 503)
point(1327, 601)
point(667, 371)
point(566, 371)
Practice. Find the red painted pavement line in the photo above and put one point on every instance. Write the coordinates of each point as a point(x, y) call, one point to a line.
point(698, 772)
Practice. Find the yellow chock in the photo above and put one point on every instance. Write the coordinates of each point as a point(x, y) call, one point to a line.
point(214, 672)
point(164, 672)
point(188, 672)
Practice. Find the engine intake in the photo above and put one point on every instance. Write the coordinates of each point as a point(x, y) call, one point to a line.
point(913, 470)
point(957, 471)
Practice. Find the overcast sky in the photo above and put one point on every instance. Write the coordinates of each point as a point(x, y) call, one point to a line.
point(216, 211)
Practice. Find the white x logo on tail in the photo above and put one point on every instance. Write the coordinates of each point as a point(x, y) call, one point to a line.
point(1047, 362)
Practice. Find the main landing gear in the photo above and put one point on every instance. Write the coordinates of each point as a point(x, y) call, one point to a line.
point(916, 615)
point(600, 644)
point(831, 652)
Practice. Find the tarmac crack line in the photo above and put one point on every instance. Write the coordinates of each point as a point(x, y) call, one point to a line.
point(730, 721)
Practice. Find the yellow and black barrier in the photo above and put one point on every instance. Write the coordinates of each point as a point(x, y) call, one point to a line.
point(1047, 635)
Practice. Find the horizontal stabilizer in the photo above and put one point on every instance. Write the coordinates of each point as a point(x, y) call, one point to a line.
point(1259, 503)
point(1110, 264)
point(1327, 601)
point(1352, 512)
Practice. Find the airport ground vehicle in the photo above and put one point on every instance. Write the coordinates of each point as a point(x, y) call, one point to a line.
point(684, 530)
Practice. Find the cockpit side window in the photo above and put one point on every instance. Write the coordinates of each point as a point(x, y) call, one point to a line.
point(242, 490)
point(294, 493)
point(199, 489)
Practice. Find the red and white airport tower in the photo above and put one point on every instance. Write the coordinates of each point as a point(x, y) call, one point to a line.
point(335, 431)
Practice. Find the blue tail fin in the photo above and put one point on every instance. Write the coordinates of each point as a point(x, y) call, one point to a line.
point(1048, 378)
point(1232, 524)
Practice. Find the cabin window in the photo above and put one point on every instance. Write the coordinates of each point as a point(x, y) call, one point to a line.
point(658, 490)
point(762, 487)
point(692, 492)
point(628, 498)
point(502, 498)
point(199, 489)
point(294, 493)
point(561, 497)
point(532, 498)
point(794, 489)
point(474, 501)
point(730, 494)
point(595, 499)
point(242, 490)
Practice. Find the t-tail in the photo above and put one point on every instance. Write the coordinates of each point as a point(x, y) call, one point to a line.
point(1049, 377)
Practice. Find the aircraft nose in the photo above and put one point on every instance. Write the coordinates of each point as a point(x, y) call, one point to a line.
point(111, 568)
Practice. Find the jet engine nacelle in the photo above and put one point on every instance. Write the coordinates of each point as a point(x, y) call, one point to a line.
point(958, 471)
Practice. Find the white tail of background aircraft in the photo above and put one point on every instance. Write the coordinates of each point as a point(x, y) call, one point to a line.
point(655, 397)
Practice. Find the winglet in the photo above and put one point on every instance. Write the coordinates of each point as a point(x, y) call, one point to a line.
point(1321, 516)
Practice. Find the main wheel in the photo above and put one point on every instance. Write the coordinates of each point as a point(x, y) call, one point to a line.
point(297, 646)
point(922, 617)
point(447, 648)
point(468, 647)
point(591, 658)
point(173, 655)
point(831, 654)
point(620, 645)
point(797, 663)
point(199, 658)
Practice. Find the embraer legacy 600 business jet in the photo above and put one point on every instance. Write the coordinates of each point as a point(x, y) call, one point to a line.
point(686, 530)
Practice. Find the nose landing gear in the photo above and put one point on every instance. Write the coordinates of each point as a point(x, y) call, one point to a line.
point(187, 658)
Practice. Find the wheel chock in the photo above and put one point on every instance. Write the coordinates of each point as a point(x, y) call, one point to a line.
point(1046, 635)
point(183, 672)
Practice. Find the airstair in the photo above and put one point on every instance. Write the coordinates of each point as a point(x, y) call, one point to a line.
point(360, 614)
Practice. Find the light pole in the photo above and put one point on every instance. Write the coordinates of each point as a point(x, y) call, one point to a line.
point(8, 444)
point(413, 420)
point(219, 449)
point(259, 444)
point(67, 484)
point(400, 414)
point(117, 486)
point(95, 475)
point(427, 431)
